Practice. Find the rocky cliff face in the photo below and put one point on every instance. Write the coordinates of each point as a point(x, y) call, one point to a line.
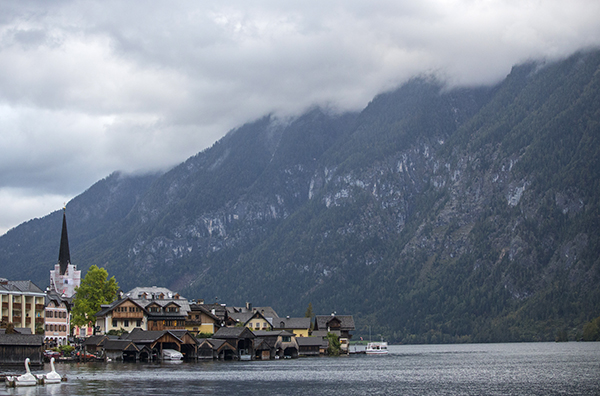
point(433, 215)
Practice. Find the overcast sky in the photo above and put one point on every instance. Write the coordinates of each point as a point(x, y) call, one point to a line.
point(90, 87)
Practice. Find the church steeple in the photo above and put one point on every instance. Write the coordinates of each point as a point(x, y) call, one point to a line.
point(64, 257)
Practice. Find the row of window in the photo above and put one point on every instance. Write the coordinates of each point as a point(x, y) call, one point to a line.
point(52, 327)
point(167, 309)
point(115, 323)
point(57, 314)
point(128, 309)
point(257, 325)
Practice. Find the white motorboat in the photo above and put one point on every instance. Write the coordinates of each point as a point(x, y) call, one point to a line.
point(377, 348)
point(171, 354)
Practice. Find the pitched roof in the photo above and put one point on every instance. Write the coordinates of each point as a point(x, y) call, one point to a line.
point(120, 345)
point(203, 308)
point(211, 342)
point(138, 335)
point(26, 286)
point(274, 333)
point(95, 340)
point(260, 316)
point(233, 332)
point(58, 299)
point(106, 308)
point(292, 323)
point(151, 291)
point(267, 312)
point(311, 341)
point(346, 321)
point(184, 306)
point(22, 339)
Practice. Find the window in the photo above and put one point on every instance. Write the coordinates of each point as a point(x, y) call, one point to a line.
point(138, 323)
point(114, 323)
point(286, 338)
point(126, 323)
point(49, 314)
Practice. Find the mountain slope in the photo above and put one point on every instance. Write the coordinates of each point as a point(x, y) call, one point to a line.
point(433, 215)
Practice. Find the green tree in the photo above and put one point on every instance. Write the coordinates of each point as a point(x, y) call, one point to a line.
point(309, 311)
point(96, 289)
point(334, 347)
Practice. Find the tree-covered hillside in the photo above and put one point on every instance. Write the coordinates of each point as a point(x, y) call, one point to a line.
point(434, 215)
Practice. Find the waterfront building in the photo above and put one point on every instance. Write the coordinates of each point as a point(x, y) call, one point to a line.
point(57, 319)
point(340, 325)
point(202, 320)
point(22, 304)
point(146, 308)
point(300, 327)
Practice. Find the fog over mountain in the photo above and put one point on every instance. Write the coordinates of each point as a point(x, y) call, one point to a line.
point(89, 87)
point(433, 214)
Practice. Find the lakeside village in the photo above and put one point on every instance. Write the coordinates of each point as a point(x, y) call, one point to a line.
point(153, 323)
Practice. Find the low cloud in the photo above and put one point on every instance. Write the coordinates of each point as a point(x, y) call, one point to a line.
point(87, 88)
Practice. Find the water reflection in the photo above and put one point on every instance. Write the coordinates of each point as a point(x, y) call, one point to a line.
point(491, 369)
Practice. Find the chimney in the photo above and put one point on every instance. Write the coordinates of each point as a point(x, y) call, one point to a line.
point(248, 306)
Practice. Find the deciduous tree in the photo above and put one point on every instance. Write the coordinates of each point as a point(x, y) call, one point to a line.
point(96, 289)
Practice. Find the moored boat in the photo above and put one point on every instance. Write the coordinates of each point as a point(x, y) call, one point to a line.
point(377, 348)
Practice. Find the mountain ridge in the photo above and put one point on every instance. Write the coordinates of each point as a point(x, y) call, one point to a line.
point(432, 215)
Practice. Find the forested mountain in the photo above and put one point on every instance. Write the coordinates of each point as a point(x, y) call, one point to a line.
point(433, 215)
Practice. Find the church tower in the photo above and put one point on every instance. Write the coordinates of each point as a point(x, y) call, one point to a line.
point(65, 277)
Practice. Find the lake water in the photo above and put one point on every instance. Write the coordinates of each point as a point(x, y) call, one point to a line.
point(471, 369)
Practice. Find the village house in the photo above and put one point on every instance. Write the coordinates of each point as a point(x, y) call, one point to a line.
point(300, 327)
point(278, 343)
point(240, 338)
point(258, 318)
point(147, 308)
point(165, 309)
point(201, 320)
point(58, 320)
point(340, 325)
point(312, 346)
point(124, 314)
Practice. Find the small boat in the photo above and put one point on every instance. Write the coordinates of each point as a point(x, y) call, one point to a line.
point(26, 379)
point(52, 377)
point(377, 348)
point(171, 354)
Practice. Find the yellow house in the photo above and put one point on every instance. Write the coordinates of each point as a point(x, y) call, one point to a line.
point(201, 320)
point(257, 321)
point(299, 326)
